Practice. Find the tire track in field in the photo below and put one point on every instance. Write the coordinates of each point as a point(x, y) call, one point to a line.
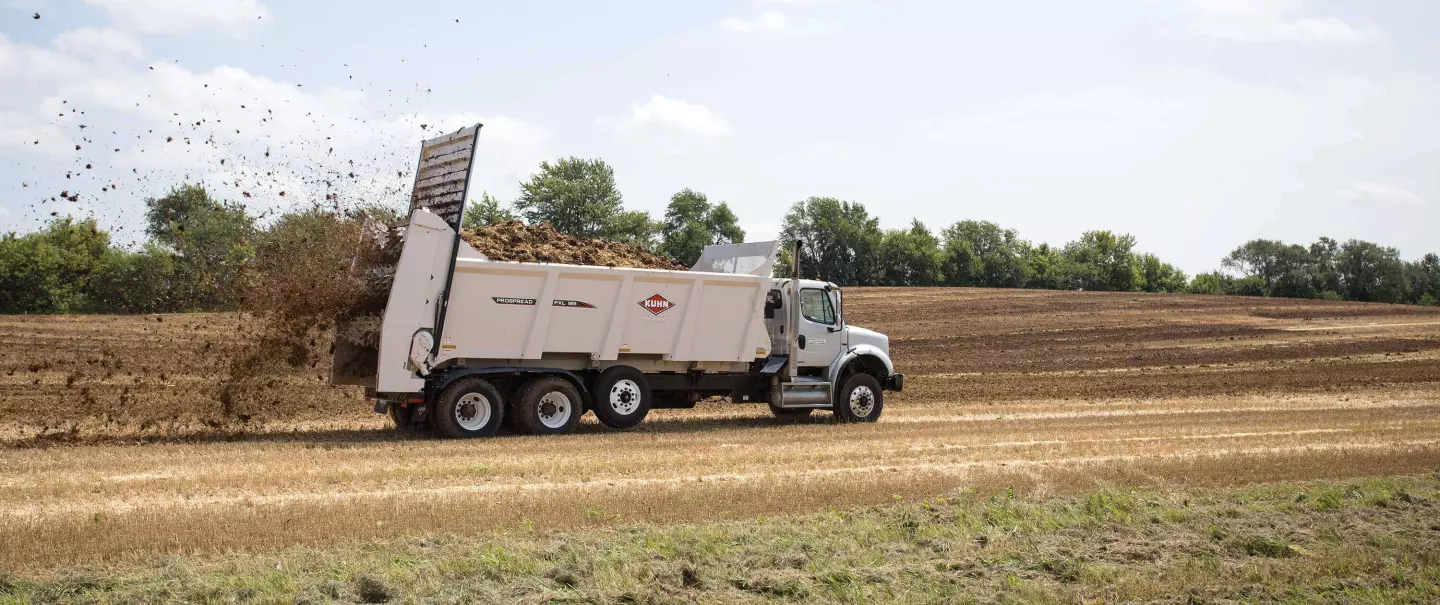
point(151, 503)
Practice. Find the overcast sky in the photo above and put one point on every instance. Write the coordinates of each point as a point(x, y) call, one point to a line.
point(1194, 125)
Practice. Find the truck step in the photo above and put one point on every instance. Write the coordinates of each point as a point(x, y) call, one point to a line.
point(805, 392)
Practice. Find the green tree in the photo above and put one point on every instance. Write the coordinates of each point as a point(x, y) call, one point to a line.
point(1250, 285)
point(980, 253)
point(1260, 258)
point(1287, 270)
point(137, 282)
point(633, 227)
point(211, 241)
point(692, 222)
point(1214, 282)
point(1424, 278)
point(485, 212)
point(52, 270)
point(576, 196)
point(910, 257)
point(1102, 260)
point(1325, 277)
point(1370, 272)
point(841, 241)
point(1160, 276)
point(1046, 268)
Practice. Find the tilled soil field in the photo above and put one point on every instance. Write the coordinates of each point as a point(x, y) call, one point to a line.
point(118, 447)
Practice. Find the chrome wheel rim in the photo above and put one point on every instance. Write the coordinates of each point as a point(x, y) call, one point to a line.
point(472, 412)
point(555, 409)
point(862, 401)
point(625, 397)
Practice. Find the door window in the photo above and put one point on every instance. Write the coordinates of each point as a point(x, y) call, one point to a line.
point(815, 306)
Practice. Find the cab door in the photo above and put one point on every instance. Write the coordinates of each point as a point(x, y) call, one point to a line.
point(820, 330)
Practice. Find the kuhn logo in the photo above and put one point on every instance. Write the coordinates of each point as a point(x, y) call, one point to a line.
point(656, 304)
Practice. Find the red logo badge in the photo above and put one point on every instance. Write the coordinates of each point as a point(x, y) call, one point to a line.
point(656, 304)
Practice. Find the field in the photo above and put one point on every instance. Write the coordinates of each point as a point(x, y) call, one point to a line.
point(1111, 428)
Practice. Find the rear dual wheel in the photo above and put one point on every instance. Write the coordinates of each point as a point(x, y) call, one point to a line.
point(546, 406)
point(469, 407)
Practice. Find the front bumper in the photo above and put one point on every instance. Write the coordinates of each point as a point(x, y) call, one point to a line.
point(896, 382)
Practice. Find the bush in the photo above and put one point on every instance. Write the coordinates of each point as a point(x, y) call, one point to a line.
point(50, 271)
point(1209, 283)
point(1247, 286)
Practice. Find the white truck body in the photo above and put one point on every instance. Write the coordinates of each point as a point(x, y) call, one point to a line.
point(564, 316)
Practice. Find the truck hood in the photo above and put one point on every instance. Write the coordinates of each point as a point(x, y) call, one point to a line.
point(862, 336)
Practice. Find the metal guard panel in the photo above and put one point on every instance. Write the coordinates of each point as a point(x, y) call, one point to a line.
point(443, 174)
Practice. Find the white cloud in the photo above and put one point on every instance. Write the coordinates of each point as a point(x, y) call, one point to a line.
point(667, 114)
point(233, 17)
point(1321, 30)
point(775, 23)
point(1270, 21)
point(766, 21)
point(99, 43)
point(1366, 191)
point(1247, 8)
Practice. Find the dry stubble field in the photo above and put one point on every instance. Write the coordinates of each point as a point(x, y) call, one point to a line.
point(119, 451)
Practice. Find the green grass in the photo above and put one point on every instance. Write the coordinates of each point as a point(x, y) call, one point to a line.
point(1375, 540)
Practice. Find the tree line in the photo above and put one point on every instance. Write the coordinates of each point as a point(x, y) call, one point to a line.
point(198, 250)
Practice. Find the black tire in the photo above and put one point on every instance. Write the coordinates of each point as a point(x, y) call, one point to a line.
point(868, 400)
point(472, 397)
point(621, 398)
point(790, 413)
point(546, 406)
point(401, 417)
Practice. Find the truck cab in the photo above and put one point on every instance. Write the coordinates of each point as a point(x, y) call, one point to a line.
point(828, 352)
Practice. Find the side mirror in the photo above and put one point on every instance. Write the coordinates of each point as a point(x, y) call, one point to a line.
point(772, 303)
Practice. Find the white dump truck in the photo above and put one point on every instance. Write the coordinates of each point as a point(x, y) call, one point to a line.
point(466, 342)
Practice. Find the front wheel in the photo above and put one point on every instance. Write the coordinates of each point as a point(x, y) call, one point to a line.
point(621, 397)
point(860, 399)
point(469, 407)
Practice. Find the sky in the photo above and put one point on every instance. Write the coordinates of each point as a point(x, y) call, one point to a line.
point(1194, 125)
